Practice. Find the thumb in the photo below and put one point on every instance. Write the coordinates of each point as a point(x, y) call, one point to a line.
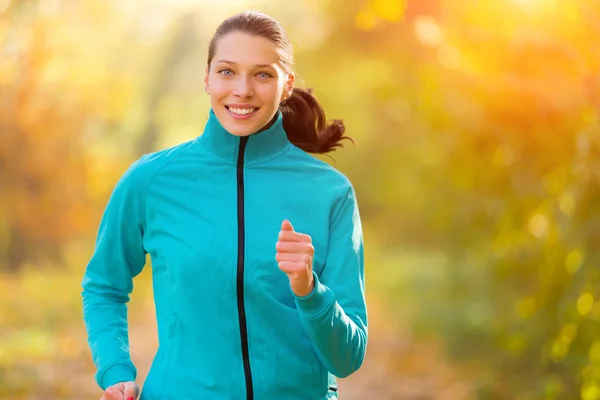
point(131, 391)
point(287, 226)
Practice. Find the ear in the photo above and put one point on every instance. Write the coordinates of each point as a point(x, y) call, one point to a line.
point(206, 78)
point(288, 87)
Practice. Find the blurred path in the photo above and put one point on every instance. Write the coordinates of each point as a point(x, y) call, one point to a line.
point(398, 367)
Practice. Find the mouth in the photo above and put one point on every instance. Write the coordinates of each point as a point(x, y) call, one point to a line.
point(241, 112)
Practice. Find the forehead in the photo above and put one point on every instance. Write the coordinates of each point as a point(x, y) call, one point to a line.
point(243, 48)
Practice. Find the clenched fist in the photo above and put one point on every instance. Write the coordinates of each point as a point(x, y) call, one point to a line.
point(122, 391)
point(295, 254)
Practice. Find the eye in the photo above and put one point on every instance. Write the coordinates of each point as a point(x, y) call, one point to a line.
point(225, 72)
point(264, 75)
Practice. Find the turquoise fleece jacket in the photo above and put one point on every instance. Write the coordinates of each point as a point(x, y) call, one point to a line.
point(209, 212)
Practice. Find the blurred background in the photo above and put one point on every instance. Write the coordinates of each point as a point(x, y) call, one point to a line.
point(476, 165)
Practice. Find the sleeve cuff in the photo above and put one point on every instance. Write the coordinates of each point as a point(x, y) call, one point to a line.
point(317, 301)
point(115, 374)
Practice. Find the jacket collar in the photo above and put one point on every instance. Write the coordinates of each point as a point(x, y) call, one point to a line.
point(259, 147)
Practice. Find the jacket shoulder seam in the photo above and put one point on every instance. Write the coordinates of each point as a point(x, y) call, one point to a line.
point(159, 170)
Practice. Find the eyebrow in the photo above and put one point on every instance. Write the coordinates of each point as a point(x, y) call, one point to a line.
point(234, 63)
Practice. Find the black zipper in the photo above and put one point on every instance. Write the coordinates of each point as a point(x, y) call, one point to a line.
point(240, 269)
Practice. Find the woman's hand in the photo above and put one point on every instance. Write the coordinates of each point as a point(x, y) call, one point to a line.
point(295, 254)
point(122, 391)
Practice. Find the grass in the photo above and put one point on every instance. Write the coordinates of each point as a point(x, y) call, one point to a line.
point(43, 343)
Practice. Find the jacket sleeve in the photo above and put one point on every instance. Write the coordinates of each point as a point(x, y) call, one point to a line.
point(334, 314)
point(118, 257)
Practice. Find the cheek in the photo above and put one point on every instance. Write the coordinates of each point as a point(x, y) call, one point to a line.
point(217, 89)
point(218, 84)
point(271, 93)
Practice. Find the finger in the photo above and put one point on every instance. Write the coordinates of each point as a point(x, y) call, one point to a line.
point(292, 236)
point(292, 266)
point(287, 226)
point(294, 247)
point(113, 393)
point(301, 259)
point(131, 391)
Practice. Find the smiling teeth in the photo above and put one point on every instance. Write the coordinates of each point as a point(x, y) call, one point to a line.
point(242, 111)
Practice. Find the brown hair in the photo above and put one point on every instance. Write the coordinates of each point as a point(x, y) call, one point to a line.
point(303, 117)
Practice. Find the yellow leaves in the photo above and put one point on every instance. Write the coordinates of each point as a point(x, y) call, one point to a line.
point(388, 10)
point(123, 96)
point(590, 391)
point(585, 303)
point(589, 116)
point(570, 12)
point(566, 203)
point(561, 345)
point(555, 181)
point(503, 156)
point(594, 352)
point(516, 344)
point(560, 349)
point(377, 11)
point(538, 225)
point(365, 20)
point(569, 332)
point(526, 308)
point(573, 261)
point(595, 313)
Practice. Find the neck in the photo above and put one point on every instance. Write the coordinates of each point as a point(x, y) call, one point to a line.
point(268, 125)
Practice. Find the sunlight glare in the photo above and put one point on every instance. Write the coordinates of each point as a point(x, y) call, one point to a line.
point(428, 31)
point(4, 4)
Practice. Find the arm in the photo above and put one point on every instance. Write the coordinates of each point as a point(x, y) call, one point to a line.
point(334, 314)
point(107, 282)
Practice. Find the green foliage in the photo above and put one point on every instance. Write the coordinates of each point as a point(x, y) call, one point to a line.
point(483, 142)
point(507, 138)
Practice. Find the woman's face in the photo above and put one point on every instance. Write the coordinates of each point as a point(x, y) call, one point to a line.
point(246, 82)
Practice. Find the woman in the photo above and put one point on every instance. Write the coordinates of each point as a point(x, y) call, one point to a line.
point(248, 305)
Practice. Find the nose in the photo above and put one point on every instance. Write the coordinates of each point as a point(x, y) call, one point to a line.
point(243, 87)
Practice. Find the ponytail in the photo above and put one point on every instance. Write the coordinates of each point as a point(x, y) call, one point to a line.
point(306, 126)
